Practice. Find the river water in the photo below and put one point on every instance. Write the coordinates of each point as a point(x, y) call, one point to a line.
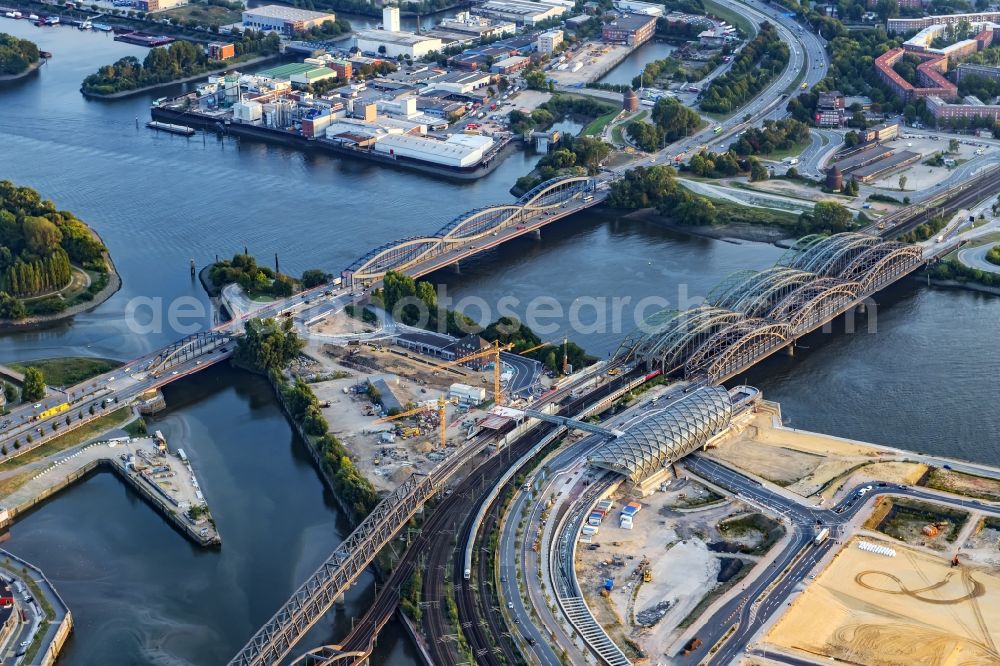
point(925, 380)
point(632, 66)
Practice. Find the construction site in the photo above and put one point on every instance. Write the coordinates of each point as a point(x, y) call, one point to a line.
point(907, 607)
point(398, 411)
point(689, 545)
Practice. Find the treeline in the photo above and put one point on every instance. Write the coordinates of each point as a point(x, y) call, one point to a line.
point(572, 155)
point(763, 58)
point(415, 304)
point(16, 55)
point(657, 187)
point(671, 121)
point(243, 270)
point(952, 269)
point(774, 135)
point(37, 246)
point(722, 165)
point(269, 347)
point(256, 280)
point(165, 64)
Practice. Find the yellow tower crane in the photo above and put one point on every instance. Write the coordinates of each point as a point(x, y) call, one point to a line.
point(442, 415)
point(494, 352)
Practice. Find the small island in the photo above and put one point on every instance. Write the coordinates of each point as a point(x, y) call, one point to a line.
point(179, 62)
point(18, 57)
point(52, 265)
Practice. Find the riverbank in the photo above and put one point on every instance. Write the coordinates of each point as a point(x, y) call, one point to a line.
point(43, 321)
point(122, 94)
point(32, 68)
point(280, 137)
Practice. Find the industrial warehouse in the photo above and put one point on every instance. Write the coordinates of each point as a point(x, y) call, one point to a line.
point(401, 119)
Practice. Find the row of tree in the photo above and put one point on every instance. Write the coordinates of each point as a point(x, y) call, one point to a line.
point(48, 273)
point(164, 64)
point(763, 58)
point(16, 55)
point(267, 346)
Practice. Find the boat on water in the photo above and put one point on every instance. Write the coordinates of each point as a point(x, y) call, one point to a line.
point(86, 25)
point(102, 27)
point(52, 20)
point(183, 130)
point(32, 17)
point(45, 54)
point(14, 14)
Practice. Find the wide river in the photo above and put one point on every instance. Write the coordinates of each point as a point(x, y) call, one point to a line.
point(925, 379)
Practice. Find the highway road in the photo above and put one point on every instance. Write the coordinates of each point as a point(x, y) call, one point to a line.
point(786, 580)
point(975, 257)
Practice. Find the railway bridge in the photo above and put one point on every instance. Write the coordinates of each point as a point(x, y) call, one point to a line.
point(752, 314)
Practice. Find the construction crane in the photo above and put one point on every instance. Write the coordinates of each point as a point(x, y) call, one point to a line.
point(440, 406)
point(493, 352)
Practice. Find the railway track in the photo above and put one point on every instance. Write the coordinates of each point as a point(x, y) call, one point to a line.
point(959, 197)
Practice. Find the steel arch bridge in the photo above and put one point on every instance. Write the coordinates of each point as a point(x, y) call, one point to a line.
point(752, 314)
point(481, 223)
point(187, 348)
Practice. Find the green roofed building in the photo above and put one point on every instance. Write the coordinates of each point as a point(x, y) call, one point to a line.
point(286, 72)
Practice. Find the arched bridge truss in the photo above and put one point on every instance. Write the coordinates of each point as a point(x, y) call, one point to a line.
point(186, 349)
point(468, 227)
point(752, 314)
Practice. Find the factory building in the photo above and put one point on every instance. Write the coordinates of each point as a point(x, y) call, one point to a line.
point(477, 27)
point(459, 150)
point(631, 29)
point(462, 82)
point(283, 19)
point(521, 12)
point(548, 41)
point(510, 65)
point(396, 43)
point(635, 7)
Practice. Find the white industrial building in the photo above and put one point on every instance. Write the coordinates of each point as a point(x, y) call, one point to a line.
point(636, 7)
point(459, 150)
point(284, 19)
point(467, 394)
point(478, 27)
point(390, 19)
point(396, 43)
point(462, 82)
point(548, 41)
point(522, 12)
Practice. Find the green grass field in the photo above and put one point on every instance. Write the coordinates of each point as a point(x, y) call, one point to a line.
point(68, 370)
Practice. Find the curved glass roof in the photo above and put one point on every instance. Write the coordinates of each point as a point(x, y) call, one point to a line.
point(666, 435)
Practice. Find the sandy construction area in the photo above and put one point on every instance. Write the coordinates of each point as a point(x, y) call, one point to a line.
point(910, 609)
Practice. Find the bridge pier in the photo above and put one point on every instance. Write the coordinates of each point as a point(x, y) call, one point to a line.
point(457, 268)
point(537, 233)
point(862, 308)
point(791, 348)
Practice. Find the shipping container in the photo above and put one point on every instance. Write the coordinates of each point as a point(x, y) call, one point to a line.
point(589, 530)
point(595, 519)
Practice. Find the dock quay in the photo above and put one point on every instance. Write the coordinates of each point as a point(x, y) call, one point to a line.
point(37, 615)
point(164, 478)
point(183, 130)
